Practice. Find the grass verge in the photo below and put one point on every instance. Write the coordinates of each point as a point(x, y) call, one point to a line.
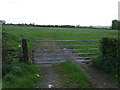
point(75, 74)
point(21, 75)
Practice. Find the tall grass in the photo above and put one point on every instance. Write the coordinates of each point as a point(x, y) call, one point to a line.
point(20, 75)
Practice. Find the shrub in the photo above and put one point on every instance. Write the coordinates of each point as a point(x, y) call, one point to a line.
point(109, 61)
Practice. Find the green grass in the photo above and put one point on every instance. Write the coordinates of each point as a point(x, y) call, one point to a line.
point(16, 33)
point(20, 75)
point(75, 73)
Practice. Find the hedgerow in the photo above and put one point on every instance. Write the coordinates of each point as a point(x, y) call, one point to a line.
point(109, 60)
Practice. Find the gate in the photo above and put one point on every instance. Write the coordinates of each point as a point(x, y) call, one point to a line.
point(59, 51)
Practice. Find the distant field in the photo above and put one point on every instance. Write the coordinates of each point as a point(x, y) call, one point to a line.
point(16, 33)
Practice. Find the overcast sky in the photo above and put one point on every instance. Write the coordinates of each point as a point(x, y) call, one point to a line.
point(60, 12)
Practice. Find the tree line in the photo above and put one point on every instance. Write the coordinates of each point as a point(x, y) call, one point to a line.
point(61, 26)
point(32, 24)
point(115, 25)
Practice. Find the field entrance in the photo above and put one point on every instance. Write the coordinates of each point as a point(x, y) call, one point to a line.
point(59, 51)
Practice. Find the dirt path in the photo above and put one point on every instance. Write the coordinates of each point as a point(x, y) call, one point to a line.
point(50, 78)
point(98, 78)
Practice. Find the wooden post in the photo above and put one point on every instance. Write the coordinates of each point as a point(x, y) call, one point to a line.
point(25, 50)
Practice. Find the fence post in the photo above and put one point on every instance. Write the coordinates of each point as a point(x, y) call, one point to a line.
point(25, 50)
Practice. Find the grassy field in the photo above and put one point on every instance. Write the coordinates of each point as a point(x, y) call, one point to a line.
point(16, 33)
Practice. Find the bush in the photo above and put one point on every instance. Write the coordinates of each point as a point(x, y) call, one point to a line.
point(109, 60)
point(109, 46)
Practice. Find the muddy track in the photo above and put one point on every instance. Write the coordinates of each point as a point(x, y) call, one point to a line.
point(98, 78)
point(50, 78)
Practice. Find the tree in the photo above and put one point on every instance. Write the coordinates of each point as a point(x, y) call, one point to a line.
point(118, 25)
point(115, 24)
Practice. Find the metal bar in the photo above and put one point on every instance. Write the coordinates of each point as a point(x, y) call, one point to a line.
point(61, 61)
point(37, 59)
point(63, 40)
point(83, 60)
point(84, 57)
point(65, 50)
point(66, 54)
point(64, 45)
point(49, 62)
